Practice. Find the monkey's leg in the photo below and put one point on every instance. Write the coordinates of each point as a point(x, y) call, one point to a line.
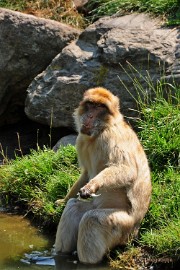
point(66, 236)
point(99, 231)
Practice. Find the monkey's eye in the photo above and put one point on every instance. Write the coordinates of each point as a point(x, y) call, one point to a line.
point(93, 105)
point(101, 105)
point(90, 105)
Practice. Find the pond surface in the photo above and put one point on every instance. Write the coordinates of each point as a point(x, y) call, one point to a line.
point(22, 246)
point(18, 236)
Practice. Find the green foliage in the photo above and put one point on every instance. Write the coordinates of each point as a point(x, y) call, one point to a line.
point(165, 199)
point(37, 180)
point(159, 7)
point(165, 240)
point(13, 4)
point(159, 132)
point(159, 129)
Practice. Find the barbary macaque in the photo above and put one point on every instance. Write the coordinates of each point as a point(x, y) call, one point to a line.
point(115, 175)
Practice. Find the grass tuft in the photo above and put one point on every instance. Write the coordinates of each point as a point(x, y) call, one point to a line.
point(159, 133)
point(37, 180)
point(165, 241)
point(166, 8)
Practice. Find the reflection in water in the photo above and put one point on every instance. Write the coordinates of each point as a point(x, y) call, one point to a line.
point(71, 263)
point(20, 246)
point(63, 262)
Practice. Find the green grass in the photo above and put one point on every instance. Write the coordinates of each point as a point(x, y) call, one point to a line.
point(37, 180)
point(159, 132)
point(13, 4)
point(165, 241)
point(168, 8)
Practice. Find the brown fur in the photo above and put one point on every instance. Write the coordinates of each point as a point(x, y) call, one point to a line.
point(114, 165)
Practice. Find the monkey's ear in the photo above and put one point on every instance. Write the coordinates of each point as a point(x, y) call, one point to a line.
point(80, 109)
point(103, 96)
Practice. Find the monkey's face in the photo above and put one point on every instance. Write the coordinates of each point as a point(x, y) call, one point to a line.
point(93, 118)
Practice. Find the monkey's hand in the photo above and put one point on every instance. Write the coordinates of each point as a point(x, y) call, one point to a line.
point(88, 191)
point(84, 193)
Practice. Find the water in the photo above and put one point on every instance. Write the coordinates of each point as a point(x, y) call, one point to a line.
point(23, 247)
point(18, 236)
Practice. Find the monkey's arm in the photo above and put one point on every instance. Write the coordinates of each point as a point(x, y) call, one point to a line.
point(75, 188)
point(109, 178)
point(77, 185)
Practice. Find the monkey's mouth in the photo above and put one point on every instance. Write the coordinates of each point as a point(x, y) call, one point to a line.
point(85, 130)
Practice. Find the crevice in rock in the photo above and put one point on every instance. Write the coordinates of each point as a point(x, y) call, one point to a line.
point(19, 138)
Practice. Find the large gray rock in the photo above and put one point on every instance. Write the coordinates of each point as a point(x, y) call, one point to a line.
point(110, 53)
point(27, 46)
point(64, 141)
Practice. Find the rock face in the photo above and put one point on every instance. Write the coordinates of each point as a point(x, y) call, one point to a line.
point(110, 53)
point(27, 46)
